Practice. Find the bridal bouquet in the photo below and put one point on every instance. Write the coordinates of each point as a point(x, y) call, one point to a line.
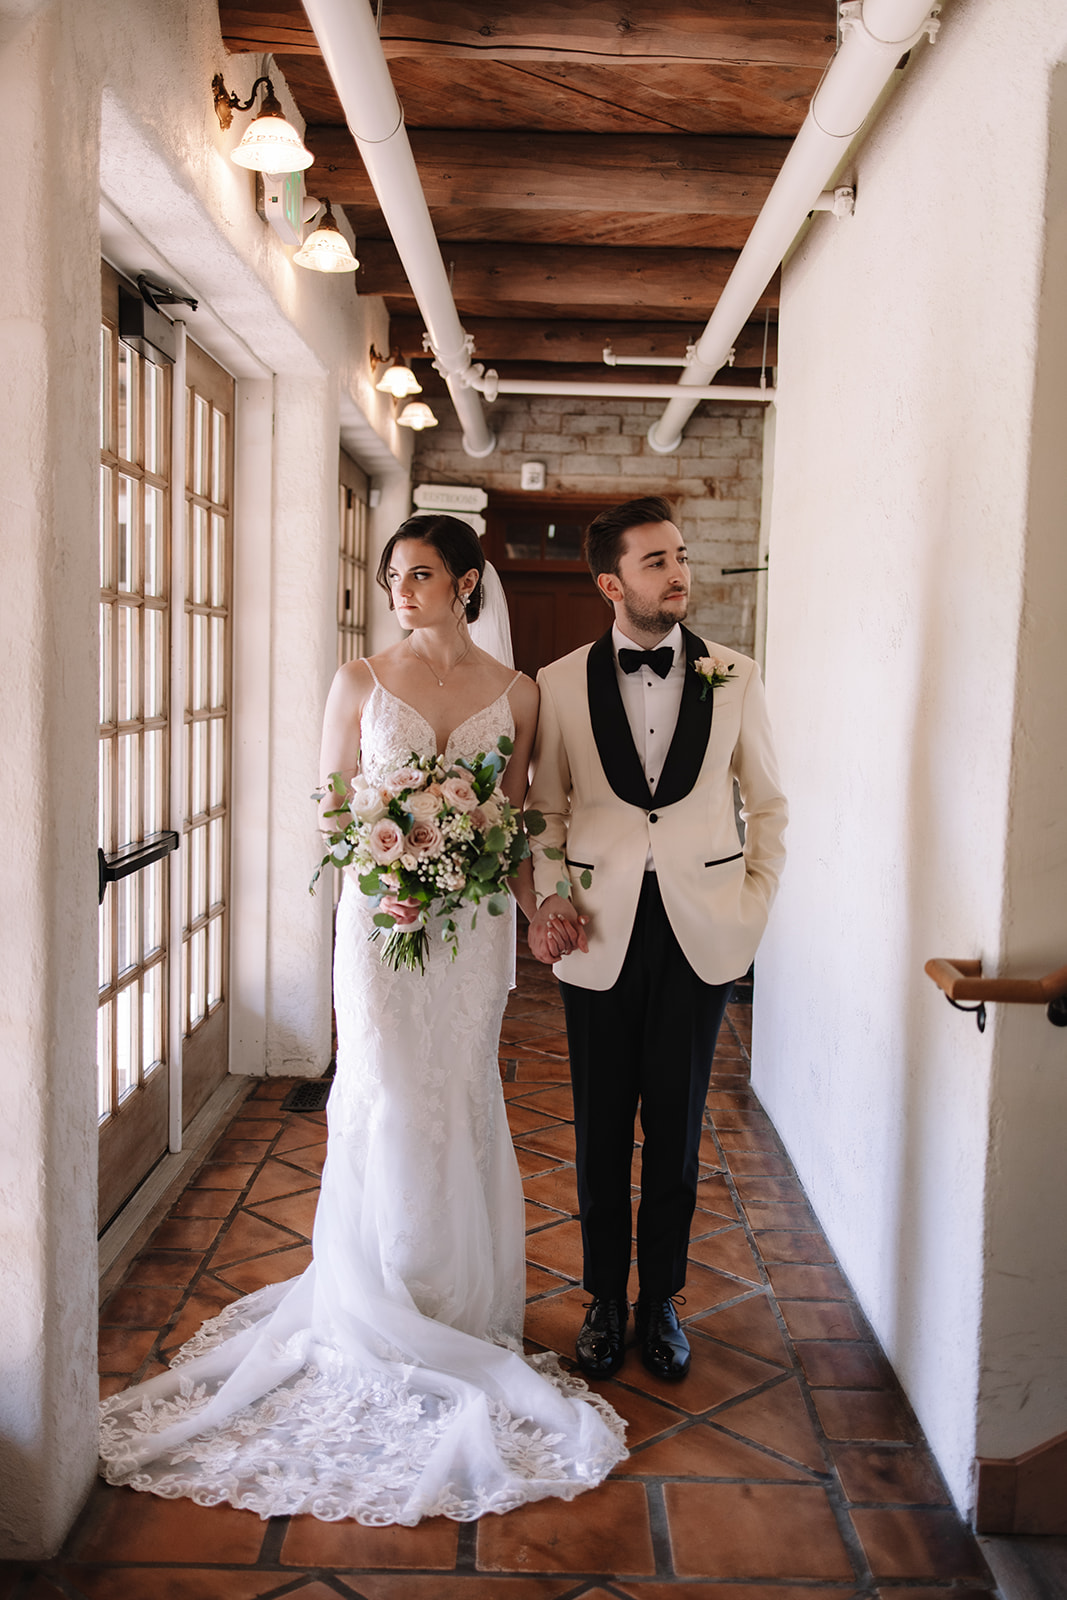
point(442, 835)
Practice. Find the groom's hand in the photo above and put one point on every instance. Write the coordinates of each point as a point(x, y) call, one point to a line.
point(555, 930)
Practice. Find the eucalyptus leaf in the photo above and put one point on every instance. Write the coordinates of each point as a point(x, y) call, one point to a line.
point(563, 889)
point(535, 822)
point(497, 905)
point(553, 855)
point(382, 919)
point(496, 839)
point(586, 880)
point(505, 745)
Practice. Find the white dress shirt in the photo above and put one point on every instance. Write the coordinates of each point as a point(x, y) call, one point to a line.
point(651, 704)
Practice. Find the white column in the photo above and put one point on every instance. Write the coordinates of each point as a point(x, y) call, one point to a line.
point(303, 653)
point(49, 340)
point(250, 839)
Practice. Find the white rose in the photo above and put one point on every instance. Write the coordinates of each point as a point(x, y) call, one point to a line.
point(366, 803)
point(423, 806)
point(408, 861)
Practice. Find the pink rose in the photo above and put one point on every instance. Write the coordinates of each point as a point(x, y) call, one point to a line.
point(404, 778)
point(459, 794)
point(479, 819)
point(426, 839)
point(385, 841)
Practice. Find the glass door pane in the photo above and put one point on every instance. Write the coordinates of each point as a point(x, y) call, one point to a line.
point(206, 828)
point(134, 673)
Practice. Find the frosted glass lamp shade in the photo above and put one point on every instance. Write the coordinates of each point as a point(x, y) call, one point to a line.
point(271, 144)
point(418, 416)
point(399, 381)
point(326, 250)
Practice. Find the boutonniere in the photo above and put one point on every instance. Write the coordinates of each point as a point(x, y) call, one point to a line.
point(713, 672)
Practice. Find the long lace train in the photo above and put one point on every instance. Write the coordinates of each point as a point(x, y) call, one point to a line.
point(387, 1383)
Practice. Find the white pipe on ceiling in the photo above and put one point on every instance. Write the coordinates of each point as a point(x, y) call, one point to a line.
point(616, 391)
point(356, 63)
point(876, 33)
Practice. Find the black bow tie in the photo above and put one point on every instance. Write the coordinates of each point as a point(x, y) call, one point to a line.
point(661, 661)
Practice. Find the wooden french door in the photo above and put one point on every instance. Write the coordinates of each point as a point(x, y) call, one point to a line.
point(135, 759)
point(352, 490)
point(164, 748)
point(206, 735)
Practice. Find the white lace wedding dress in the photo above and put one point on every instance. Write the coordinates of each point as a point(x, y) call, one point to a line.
point(387, 1383)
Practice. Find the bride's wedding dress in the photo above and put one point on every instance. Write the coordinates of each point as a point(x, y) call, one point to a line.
point(387, 1383)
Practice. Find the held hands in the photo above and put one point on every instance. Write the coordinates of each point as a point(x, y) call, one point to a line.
point(556, 930)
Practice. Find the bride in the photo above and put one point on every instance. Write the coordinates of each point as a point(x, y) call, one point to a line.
point(387, 1383)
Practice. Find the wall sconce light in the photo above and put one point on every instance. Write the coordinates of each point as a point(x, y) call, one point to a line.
point(417, 415)
point(326, 250)
point(397, 379)
point(270, 144)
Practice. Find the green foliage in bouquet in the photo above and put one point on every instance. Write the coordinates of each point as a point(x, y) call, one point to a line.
point(444, 837)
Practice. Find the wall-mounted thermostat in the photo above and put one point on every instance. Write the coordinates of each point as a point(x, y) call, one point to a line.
point(532, 475)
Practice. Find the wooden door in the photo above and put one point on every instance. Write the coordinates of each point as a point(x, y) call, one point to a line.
point(534, 541)
point(135, 761)
point(208, 618)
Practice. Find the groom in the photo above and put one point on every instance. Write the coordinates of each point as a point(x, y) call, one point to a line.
point(633, 769)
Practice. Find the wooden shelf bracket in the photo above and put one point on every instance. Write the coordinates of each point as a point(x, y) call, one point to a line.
point(962, 981)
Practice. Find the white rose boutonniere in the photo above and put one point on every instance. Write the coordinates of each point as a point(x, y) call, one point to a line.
point(713, 672)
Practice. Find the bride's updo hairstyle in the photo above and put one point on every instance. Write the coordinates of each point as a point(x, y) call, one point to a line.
point(455, 542)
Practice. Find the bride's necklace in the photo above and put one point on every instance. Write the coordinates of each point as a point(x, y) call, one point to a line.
point(433, 670)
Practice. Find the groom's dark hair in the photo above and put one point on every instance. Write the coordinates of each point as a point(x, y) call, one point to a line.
point(602, 545)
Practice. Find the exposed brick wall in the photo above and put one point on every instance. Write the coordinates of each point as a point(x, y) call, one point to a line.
point(713, 480)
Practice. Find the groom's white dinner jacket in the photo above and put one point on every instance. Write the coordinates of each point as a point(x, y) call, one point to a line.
point(587, 781)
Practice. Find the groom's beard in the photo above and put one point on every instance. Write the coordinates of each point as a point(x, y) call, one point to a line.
point(653, 619)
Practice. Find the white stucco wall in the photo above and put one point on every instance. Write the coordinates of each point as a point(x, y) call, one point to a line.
point(899, 545)
point(106, 111)
point(1023, 1384)
point(48, 422)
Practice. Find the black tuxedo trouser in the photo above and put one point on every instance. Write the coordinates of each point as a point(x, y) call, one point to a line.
point(649, 1041)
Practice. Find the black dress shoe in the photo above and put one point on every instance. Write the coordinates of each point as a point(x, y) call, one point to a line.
point(601, 1342)
point(664, 1347)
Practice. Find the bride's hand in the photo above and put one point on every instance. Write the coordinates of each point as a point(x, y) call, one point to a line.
point(403, 912)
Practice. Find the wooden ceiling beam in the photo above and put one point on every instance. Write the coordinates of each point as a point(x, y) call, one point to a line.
point(541, 278)
point(460, 224)
point(799, 32)
point(499, 339)
point(569, 172)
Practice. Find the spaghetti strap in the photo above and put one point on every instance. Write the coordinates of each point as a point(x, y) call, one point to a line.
point(374, 675)
point(513, 682)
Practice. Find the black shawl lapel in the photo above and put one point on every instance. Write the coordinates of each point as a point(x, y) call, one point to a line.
point(611, 730)
point(691, 732)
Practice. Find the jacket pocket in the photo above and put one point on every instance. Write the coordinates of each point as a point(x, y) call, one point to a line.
point(583, 866)
point(721, 862)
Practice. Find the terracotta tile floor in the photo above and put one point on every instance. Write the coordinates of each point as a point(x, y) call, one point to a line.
point(786, 1467)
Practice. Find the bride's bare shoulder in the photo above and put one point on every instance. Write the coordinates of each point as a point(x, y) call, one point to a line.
point(351, 687)
point(525, 696)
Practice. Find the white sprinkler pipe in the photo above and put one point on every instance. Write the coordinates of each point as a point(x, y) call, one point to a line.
point(876, 33)
point(355, 60)
point(491, 386)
